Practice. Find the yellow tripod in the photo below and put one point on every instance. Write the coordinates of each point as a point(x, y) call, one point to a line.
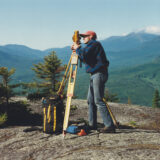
point(70, 74)
point(70, 90)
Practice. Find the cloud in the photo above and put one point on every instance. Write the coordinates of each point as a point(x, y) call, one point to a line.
point(152, 29)
point(125, 34)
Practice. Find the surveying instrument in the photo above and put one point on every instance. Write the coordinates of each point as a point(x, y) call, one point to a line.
point(51, 109)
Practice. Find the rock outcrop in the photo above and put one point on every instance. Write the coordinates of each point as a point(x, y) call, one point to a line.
point(137, 138)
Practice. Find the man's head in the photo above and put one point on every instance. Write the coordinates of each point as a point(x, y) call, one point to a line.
point(87, 36)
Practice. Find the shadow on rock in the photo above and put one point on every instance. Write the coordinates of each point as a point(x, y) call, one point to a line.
point(120, 126)
point(19, 115)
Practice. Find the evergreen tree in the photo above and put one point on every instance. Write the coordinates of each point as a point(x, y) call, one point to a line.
point(49, 72)
point(5, 86)
point(110, 97)
point(129, 100)
point(156, 99)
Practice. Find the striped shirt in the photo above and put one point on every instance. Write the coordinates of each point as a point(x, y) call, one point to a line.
point(93, 56)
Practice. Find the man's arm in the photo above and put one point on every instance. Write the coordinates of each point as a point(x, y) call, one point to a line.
point(86, 52)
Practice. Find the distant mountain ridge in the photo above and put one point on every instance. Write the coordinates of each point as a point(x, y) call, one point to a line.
point(130, 41)
point(116, 47)
point(123, 52)
point(21, 50)
point(147, 51)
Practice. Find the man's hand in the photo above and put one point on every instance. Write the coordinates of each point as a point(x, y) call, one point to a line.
point(75, 46)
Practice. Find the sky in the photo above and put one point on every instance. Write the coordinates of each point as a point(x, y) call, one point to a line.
point(43, 24)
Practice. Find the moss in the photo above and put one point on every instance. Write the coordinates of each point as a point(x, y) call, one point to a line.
point(73, 107)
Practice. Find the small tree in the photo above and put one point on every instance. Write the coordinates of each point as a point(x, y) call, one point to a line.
point(110, 97)
point(49, 72)
point(5, 86)
point(129, 100)
point(156, 99)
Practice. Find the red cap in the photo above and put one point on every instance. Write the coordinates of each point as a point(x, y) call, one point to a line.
point(89, 33)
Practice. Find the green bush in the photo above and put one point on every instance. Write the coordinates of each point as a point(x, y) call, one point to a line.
point(3, 118)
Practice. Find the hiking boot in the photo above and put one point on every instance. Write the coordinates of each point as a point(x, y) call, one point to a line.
point(92, 128)
point(107, 130)
point(89, 128)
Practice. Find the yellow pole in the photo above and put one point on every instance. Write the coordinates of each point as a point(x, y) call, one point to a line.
point(49, 114)
point(44, 121)
point(54, 122)
point(111, 114)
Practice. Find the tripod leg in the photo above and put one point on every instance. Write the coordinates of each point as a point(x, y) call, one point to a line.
point(111, 114)
point(64, 77)
point(44, 119)
point(54, 118)
point(70, 91)
point(49, 114)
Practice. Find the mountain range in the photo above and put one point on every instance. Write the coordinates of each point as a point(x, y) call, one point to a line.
point(134, 59)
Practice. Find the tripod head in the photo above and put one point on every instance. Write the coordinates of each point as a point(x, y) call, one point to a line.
point(76, 37)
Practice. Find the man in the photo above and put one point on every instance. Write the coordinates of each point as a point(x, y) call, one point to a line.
point(96, 63)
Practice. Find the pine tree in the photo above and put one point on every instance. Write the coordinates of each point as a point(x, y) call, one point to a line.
point(49, 72)
point(156, 99)
point(110, 97)
point(5, 86)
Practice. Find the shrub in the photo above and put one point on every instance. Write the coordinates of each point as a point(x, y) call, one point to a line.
point(3, 118)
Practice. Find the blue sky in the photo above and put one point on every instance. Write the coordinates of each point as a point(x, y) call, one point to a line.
point(43, 24)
